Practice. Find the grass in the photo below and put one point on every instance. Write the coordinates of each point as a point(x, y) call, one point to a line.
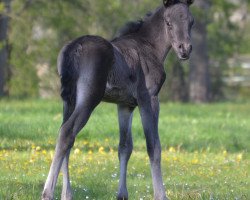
point(205, 151)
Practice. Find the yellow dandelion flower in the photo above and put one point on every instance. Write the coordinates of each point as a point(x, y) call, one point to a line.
point(101, 150)
point(44, 152)
point(38, 148)
point(171, 149)
point(195, 161)
point(90, 152)
point(239, 157)
point(224, 153)
point(77, 151)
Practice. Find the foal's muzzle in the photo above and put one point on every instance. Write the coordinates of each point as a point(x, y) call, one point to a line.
point(184, 51)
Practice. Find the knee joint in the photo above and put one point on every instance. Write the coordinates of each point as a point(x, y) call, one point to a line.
point(126, 148)
point(154, 152)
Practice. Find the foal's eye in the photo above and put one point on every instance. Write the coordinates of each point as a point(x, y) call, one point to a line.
point(168, 24)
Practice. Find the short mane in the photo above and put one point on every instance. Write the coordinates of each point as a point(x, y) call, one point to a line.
point(133, 26)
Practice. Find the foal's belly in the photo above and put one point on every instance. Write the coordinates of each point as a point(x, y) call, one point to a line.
point(120, 95)
point(121, 82)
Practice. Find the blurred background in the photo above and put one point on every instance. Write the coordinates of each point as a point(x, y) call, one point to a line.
point(33, 31)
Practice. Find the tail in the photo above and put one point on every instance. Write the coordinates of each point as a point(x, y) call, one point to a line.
point(68, 71)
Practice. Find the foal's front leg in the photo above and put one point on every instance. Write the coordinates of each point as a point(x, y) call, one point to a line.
point(125, 115)
point(149, 111)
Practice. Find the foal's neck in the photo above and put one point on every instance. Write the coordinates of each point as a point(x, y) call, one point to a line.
point(154, 31)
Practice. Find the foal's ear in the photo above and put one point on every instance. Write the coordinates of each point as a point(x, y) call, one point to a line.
point(189, 2)
point(172, 2)
point(168, 2)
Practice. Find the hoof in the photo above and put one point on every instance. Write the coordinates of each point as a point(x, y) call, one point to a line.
point(122, 198)
point(122, 195)
point(160, 198)
point(67, 197)
point(46, 196)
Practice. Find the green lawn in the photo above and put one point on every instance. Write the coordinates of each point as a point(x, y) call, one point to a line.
point(205, 151)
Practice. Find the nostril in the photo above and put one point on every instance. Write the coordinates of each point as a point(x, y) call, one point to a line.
point(190, 48)
point(184, 55)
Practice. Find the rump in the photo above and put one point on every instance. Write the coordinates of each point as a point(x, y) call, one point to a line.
point(84, 55)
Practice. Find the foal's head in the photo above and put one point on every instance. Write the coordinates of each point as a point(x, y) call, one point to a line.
point(178, 24)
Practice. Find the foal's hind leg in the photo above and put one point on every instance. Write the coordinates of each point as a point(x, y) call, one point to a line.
point(87, 100)
point(65, 142)
point(125, 114)
point(66, 190)
point(68, 109)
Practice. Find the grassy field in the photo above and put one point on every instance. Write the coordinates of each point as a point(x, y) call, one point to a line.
point(205, 151)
